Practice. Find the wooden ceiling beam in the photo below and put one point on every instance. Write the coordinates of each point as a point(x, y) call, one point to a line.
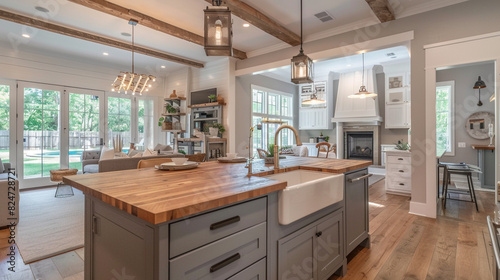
point(382, 10)
point(148, 21)
point(261, 21)
point(24, 20)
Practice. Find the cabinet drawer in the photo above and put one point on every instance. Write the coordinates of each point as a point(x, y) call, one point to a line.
point(223, 258)
point(398, 171)
point(188, 234)
point(398, 159)
point(256, 271)
point(399, 184)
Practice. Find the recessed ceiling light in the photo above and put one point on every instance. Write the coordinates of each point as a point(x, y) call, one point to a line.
point(126, 34)
point(163, 66)
point(26, 35)
point(348, 65)
point(105, 53)
point(246, 24)
point(41, 9)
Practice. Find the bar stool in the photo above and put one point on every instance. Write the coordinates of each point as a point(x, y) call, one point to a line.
point(56, 177)
point(443, 165)
point(462, 169)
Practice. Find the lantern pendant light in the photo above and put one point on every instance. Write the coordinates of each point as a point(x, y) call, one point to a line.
point(218, 30)
point(302, 65)
point(363, 92)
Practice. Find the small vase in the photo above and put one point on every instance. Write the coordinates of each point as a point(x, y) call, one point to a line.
point(213, 131)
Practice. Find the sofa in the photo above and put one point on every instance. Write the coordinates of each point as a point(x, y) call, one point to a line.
point(5, 194)
point(92, 164)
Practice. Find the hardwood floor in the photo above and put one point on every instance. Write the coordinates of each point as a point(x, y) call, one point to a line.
point(456, 245)
point(403, 246)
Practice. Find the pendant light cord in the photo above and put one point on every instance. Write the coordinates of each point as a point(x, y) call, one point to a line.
point(301, 26)
point(363, 77)
point(133, 35)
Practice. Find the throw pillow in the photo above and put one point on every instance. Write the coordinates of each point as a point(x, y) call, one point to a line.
point(148, 152)
point(137, 155)
point(107, 153)
point(287, 151)
point(162, 147)
point(121, 155)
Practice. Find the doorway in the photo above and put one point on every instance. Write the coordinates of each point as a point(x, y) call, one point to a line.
point(55, 125)
point(439, 56)
point(464, 118)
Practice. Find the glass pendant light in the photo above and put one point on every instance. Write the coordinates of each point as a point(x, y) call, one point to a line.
point(363, 92)
point(302, 65)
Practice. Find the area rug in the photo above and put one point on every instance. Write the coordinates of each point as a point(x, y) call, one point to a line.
point(374, 179)
point(49, 226)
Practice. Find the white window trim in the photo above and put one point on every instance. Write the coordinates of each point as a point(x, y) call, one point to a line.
point(450, 84)
point(265, 105)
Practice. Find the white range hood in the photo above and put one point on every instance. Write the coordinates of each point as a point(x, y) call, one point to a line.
point(353, 110)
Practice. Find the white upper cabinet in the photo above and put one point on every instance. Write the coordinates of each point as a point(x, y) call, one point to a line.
point(315, 115)
point(397, 97)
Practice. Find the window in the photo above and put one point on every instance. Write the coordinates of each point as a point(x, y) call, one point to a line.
point(445, 138)
point(119, 119)
point(271, 108)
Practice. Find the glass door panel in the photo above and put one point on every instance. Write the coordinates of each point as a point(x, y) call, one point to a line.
point(146, 123)
point(4, 122)
point(41, 131)
point(119, 120)
point(85, 132)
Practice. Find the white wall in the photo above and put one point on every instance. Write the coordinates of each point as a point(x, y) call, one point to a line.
point(466, 99)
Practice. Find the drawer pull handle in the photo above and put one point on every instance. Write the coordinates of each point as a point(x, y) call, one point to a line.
point(401, 184)
point(224, 223)
point(402, 171)
point(359, 178)
point(319, 233)
point(225, 262)
point(400, 158)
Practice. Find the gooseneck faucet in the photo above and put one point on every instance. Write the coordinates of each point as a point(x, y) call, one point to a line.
point(276, 149)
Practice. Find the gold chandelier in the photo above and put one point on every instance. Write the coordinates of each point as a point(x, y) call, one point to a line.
point(130, 81)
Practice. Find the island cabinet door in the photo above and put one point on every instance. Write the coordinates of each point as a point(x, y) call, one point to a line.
point(329, 251)
point(296, 255)
point(356, 208)
point(313, 252)
point(119, 251)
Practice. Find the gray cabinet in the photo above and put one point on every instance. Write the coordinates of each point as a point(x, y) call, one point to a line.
point(356, 209)
point(313, 252)
point(206, 115)
point(119, 247)
point(256, 271)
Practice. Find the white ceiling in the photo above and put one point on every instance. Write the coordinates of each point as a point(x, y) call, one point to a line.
point(187, 14)
point(345, 64)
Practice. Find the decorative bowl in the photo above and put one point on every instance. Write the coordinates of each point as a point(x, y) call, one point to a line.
point(179, 161)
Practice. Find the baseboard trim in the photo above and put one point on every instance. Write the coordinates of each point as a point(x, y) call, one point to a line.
point(421, 209)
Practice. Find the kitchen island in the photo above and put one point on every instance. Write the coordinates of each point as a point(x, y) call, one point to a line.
point(214, 219)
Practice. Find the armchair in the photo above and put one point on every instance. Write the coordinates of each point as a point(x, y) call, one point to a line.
point(90, 161)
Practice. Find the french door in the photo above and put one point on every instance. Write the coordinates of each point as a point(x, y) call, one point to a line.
point(55, 125)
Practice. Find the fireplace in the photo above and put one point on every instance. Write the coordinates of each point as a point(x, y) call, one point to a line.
point(358, 145)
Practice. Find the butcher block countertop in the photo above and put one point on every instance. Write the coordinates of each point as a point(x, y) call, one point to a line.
point(159, 196)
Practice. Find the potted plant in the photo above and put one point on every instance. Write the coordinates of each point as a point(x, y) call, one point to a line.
point(212, 98)
point(215, 129)
point(162, 122)
point(402, 145)
point(170, 109)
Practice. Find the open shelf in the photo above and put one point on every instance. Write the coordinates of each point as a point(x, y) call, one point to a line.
point(173, 114)
point(207, 104)
point(175, 99)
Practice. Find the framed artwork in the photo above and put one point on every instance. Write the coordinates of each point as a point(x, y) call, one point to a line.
point(396, 81)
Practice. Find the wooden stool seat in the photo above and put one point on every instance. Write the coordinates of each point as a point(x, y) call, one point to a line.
point(56, 177)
